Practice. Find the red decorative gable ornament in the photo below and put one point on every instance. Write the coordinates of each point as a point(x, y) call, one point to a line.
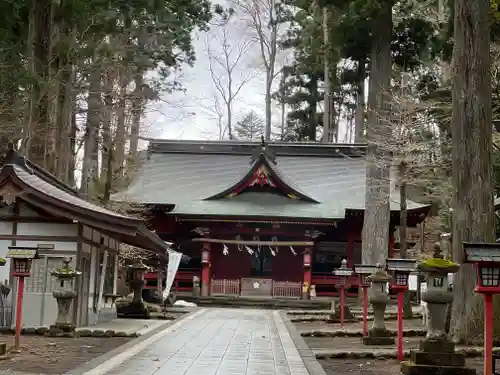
point(262, 174)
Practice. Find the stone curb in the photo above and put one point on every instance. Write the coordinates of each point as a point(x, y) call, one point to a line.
point(307, 355)
point(82, 369)
point(83, 332)
point(325, 318)
point(389, 353)
point(320, 333)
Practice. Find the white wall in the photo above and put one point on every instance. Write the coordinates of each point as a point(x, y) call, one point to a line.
point(38, 292)
point(93, 252)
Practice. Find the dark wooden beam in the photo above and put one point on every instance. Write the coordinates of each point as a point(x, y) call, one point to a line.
point(20, 237)
point(244, 242)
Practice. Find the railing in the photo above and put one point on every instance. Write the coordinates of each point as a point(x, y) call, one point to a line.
point(287, 289)
point(225, 287)
point(326, 285)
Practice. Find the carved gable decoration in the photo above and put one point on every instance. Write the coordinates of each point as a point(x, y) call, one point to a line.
point(9, 193)
point(263, 176)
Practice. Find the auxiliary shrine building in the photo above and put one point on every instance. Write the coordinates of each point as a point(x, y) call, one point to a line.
point(260, 220)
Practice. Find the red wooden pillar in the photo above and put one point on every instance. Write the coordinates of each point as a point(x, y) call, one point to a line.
point(306, 286)
point(350, 249)
point(205, 270)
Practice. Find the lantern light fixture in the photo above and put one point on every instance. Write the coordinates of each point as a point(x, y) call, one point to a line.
point(205, 255)
point(365, 270)
point(343, 272)
point(22, 258)
point(401, 269)
point(307, 259)
point(486, 256)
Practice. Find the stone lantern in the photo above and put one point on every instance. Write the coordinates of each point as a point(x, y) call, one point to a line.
point(437, 353)
point(378, 296)
point(136, 308)
point(64, 295)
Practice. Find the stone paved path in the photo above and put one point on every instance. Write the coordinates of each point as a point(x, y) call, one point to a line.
point(221, 342)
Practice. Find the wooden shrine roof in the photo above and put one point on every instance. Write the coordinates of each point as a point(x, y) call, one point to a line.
point(207, 178)
point(24, 180)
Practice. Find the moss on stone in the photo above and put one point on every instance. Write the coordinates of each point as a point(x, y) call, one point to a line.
point(438, 263)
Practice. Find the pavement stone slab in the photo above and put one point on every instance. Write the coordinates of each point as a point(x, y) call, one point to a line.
point(221, 342)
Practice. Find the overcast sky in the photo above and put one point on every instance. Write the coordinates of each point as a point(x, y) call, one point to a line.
point(189, 114)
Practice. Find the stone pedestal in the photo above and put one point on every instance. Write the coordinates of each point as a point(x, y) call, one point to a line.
point(348, 315)
point(377, 294)
point(136, 308)
point(437, 354)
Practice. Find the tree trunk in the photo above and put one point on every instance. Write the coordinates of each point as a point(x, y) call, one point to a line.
point(403, 212)
point(283, 105)
point(377, 200)
point(121, 126)
point(107, 116)
point(272, 47)
point(137, 108)
point(40, 116)
point(91, 131)
point(54, 85)
point(360, 102)
point(312, 108)
point(327, 116)
point(66, 106)
point(72, 140)
point(403, 216)
point(268, 103)
point(229, 114)
point(473, 213)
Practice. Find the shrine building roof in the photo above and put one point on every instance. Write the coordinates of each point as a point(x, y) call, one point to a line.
point(253, 179)
point(23, 179)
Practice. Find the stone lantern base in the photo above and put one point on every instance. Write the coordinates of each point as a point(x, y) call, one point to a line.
point(378, 337)
point(348, 315)
point(133, 310)
point(61, 330)
point(436, 357)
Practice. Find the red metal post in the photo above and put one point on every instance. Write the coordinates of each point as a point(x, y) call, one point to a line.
point(401, 294)
point(342, 306)
point(365, 311)
point(488, 334)
point(19, 311)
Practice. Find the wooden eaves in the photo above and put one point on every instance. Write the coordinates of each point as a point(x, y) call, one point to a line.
point(43, 190)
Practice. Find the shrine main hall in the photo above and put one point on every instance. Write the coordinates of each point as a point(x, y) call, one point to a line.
point(257, 219)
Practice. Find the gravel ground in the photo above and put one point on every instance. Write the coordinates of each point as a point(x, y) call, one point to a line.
point(47, 355)
point(377, 367)
point(364, 366)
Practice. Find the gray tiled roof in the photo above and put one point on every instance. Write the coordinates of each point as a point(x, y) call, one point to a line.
point(41, 185)
point(47, 192)
point(185, 179)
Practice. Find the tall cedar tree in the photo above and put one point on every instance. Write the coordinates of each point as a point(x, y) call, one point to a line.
point(473, 217)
